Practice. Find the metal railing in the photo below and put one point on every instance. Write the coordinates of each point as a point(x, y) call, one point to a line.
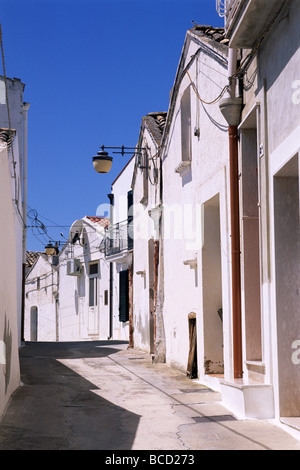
point(221, 6)
point(118, 238)
point(228, 8)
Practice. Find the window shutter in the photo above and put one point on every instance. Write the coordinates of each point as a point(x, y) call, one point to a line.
point(123, 296)
point(129, 220)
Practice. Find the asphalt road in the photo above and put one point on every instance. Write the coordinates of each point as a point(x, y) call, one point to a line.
point(103, 396)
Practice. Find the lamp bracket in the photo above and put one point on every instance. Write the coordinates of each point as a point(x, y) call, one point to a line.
point(123, 148)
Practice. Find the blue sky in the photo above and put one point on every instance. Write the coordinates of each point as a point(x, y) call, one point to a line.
point(91, 69)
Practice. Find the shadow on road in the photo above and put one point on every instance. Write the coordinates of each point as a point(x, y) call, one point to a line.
point(56, 408)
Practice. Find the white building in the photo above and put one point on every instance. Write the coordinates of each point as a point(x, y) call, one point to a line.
point(146, 185)
point(263, 37)
point(13, 205)
point(118, 249)
point(84, 284)
point(41, 298)
point(195, 221)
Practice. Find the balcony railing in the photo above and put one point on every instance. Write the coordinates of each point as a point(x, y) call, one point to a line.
point(246, 21)
point(228, 8)
point(118, 238)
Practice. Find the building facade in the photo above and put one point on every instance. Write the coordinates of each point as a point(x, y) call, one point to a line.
point(84, 283)
point(41, 298)
point(264, 45)
point(195, 234)
point(118, 248)
point(147, 260)
point(13, 136)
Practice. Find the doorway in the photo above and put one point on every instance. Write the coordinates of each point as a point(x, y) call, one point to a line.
point(33, 323)
point(250, 243)
point(192, 367)
point(212, 289)
point(287, 266)
point(93, 310)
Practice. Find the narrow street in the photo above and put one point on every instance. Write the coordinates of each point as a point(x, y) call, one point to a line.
point(103, 396)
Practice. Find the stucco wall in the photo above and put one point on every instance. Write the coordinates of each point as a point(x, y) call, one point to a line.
point(9, 360)
point(183, 196)
point(76, 321)
point(144, 235)
point(41, 291)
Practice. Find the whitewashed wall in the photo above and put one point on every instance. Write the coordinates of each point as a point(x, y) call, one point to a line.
point(11, 239)
point(186, 271)
point(76, 321)
point(119, 189)
point(144, 231)
point(9, 359)
point(41, 292)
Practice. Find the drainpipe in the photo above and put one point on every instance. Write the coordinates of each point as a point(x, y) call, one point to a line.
point(231, 107)
point(110, 300)
point(111, 278)
point(24, 242)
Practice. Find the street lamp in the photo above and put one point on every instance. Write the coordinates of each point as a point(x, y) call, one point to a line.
point(51, 250)
point(102, 161)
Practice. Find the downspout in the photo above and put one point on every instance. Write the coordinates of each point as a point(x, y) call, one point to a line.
point(24, 241)
point(111, 279)
point(110, 301)
point(231, 107)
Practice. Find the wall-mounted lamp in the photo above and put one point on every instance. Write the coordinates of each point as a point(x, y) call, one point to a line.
point(102, 161)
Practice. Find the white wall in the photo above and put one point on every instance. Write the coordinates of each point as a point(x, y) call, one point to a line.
point(76, 320)
point(15, 96)
point(41, 291)
point(144, 231)
point(9, 359)
point(183, 198)
point(120, 187)
point(275, 89)
point(11, 238)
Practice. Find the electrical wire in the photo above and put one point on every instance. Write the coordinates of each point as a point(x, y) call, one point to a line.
point(199, 97)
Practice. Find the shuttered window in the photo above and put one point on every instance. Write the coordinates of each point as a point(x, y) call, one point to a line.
point(123, 296)
point(130, 219)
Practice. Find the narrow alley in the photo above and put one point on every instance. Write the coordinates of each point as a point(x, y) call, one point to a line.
point(103, 396)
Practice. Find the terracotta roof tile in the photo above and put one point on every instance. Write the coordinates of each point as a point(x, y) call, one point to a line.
point(104, 221)
point(216, 34)
point(156, 123)
point(32, 257)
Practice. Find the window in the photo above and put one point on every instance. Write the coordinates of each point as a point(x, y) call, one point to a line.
point(106, 297)
point(93, 269)
point(185, 105)
point(92, 292)
point(93, 284)
point(123, 296)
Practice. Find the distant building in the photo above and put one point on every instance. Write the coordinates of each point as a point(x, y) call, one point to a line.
point(84, 283)
point(147, 259)
point(41, 298)
point(118, 248)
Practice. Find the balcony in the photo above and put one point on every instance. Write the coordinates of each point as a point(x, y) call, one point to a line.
point(118, 240)
point(246, 20)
